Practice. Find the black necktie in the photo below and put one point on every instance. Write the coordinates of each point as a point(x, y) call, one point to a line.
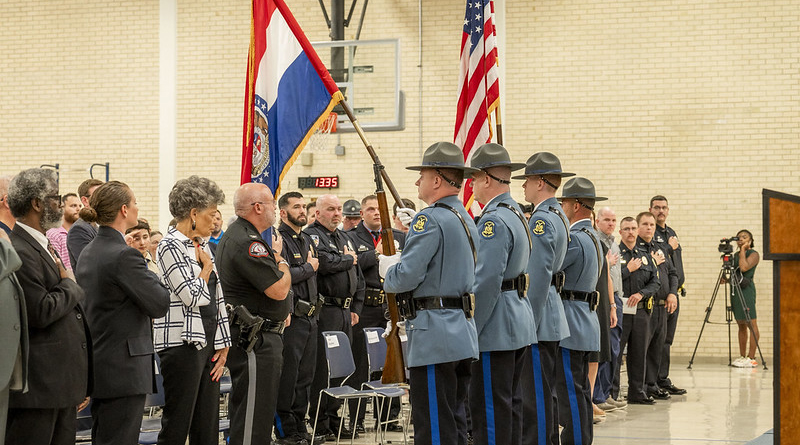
point(375, 234)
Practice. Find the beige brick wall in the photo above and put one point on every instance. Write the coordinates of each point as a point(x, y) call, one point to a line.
point(694, 100)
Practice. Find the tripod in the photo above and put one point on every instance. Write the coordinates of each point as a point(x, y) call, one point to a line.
point(727, 272)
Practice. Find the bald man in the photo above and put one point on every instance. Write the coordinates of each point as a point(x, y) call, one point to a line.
point(341, 283)
point(256, 282)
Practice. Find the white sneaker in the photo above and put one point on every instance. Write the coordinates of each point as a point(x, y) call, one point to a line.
point(750, 363)
point(739, 362)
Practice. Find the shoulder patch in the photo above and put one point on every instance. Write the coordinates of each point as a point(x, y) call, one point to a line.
point(487, 230)
point(315, 238)
point(258, 250)
point(420, 224)
point(539, 227)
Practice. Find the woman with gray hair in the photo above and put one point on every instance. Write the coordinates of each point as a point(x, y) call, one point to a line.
point(193, 339)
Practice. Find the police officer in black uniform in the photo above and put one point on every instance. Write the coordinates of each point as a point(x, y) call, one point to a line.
point(256, 282)
point(300, 337)
point(366, 237)
point(341, 285)
point(665, 302)
point(639, 284)
point(666, 236)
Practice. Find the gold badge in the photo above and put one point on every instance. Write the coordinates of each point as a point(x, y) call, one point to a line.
point(488, 229)
point(419, 224)
point(538, 227)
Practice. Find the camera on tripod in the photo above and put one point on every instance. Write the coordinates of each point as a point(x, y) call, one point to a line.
point(725, 244)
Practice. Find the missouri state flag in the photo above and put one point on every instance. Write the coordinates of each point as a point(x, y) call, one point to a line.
point(289, 93)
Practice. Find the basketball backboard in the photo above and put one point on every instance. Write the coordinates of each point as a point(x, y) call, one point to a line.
point(368, 74)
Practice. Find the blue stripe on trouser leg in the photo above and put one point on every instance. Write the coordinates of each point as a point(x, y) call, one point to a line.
point(541, 417)
point(433, 405)
point(573, 399)
point(487, 396)
point(279, 427)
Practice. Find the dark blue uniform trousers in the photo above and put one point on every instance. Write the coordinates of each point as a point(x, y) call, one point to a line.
point(299, 362)
point(539, 416)
point(636, 335)
point(663, 370)
point(658, 332)
point(574, 400)
point(494, 387)
point(438, 404)
point(607, 370)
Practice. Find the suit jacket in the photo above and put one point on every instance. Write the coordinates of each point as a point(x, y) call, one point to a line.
point(122, 296)
point(78, 237)
point(13, 319)
point(364, 245)
point(59, 373)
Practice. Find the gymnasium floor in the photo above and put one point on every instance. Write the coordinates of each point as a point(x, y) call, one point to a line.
point(723, 406)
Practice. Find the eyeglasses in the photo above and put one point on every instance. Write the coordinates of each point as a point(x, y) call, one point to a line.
point(258, 202)
point(53, 197)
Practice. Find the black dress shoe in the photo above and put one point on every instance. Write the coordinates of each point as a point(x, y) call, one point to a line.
point(360, 429)
point(645, 401)
point(674, 390)
point(394, 427)
point(659, 394)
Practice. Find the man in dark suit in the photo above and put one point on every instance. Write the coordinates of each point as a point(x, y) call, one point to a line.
point(13, 329)
point(59, 373)
point(82, 232)
point(366, 237)
point(122, 296)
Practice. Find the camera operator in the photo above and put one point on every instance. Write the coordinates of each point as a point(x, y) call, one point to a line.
point(744, 263)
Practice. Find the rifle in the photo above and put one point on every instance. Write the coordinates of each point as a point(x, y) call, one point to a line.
point(394, 366)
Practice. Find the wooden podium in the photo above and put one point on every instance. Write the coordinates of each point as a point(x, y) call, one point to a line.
point(781, 214)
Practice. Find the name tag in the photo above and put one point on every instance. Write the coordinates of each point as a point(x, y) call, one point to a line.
point(297, 255)
point(372, 337)
point(362, 248)
point(332, 340)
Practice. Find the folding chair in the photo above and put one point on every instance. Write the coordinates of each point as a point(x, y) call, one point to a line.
point(151, 425)
point(84, 427)
point(340, 365)
point(376, 357)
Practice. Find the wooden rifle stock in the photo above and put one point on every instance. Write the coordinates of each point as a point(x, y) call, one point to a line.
point(394, 370)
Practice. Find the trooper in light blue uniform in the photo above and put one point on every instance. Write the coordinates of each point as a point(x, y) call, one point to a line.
point(437, 267)
point(549, 231)
point(503, 314)
point(582, 267)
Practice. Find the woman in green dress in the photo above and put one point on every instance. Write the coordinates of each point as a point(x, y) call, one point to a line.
point(745, 260)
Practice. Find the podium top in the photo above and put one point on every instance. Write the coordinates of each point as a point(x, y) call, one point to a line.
point(781, 213)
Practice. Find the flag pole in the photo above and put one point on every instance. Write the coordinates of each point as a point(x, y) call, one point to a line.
point(371, 151)
point(498, 125)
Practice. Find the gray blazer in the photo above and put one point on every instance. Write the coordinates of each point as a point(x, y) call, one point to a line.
point(13, 321)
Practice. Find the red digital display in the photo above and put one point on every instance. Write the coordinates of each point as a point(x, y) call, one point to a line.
point(319, 182)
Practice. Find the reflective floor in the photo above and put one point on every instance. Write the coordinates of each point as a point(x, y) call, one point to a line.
point(723, 406)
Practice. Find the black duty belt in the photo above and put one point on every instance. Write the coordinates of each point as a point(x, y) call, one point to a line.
point(590, 297)
point(661, 302)
point(409, 305)
point(273, 326)
point(646, 303)
point(306, 308)
point(343, 303)
point(558, 281)
point(374, 297)
point(519, 284)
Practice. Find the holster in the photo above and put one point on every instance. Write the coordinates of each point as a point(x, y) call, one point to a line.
point(468, 302)
point(519, 283)
point(406, 306)
point(558, 281)
point(249, 326)
point(306, 308)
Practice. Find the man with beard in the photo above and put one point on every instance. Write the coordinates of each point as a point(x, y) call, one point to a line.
point(82, 232)
point(341, 284)
point(58, 235)
point(300, 337)
point(58, 335)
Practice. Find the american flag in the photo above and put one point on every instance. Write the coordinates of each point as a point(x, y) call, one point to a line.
point(478, 84)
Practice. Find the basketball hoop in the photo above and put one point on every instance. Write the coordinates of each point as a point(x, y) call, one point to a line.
point(321, 139)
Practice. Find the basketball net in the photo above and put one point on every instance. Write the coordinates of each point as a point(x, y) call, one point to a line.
point(322, 139)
